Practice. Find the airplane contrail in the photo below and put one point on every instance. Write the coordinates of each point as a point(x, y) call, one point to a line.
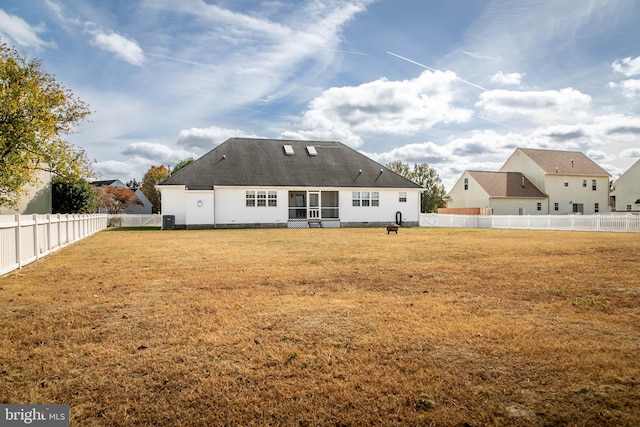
point(433, 69)
point(457, 78)
point(182, 61)
point(351, 52)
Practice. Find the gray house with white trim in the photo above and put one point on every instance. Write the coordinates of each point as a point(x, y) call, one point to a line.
point(249, 182)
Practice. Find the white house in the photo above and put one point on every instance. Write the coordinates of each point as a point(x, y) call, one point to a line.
point(626, 190)
point(247, 182)
point(505, 193)
point(573, 182)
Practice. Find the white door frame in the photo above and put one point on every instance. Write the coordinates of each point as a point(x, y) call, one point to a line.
point(313, 206)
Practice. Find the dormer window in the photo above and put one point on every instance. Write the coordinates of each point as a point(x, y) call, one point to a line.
point(312, 150)
point(288, 150)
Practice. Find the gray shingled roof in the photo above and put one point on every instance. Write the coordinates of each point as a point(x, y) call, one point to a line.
point(564, 162)
point(249, 162)
point(506, 184)
point(103, 182)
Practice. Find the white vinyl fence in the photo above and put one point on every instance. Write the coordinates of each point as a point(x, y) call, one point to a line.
point(626, 223)
point(27, 238)
point(135, 220)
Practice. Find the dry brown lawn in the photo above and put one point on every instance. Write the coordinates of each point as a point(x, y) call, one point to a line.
point(329, 327)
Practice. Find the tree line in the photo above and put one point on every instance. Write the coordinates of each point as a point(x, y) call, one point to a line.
point(37, 112)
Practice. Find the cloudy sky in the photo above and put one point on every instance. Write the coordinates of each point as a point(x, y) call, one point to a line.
point(457, 84)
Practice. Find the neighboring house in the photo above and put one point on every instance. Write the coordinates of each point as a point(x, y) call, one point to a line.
point(505, 193)
point(246, 182)
point(567, 182)
point(626, 193)
point(573, 182)
point(38, 199)
point(141, 206)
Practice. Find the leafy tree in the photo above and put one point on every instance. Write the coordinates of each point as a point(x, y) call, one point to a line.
point(76, 197)
point(154, 176)
point(115, 199)
point(181, 164)
point(35, 113)
point(133, 184)
point(426, 177)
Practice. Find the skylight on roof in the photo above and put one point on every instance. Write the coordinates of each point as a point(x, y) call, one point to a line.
point(312, 150)
point(288, 150)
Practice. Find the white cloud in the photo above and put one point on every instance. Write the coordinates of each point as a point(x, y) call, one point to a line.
point(262, 53)
point(618, 126)
point(390, 107)
point(138, 158)
point(507, 79)
point(597, 155)
point(155, 153)
point(344, 135)
point(202, 139)
point(56, 8)
point(23, 34)
point(550, 105)
point(122, 47)
point(477, 55)
point(112, 169)
point(630, 88)
point(631, 152)
point(627, 66)
point(476, 150)
point(424, 152)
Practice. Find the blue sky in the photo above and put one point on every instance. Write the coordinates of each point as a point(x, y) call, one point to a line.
point(458, 84)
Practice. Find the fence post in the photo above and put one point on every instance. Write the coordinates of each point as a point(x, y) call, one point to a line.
point(36, 236)
point(18, 241)
point(67, 225)
point(49, 244)
point(59, 231)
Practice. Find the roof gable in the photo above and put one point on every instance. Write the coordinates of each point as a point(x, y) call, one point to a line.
point(630, 174)
point(249, 162)
point(108, 182)
point(564, 162)
point(506, 184)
